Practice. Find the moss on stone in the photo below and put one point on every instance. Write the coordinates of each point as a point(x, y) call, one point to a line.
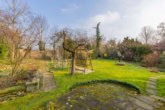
point(12, 89)
point(93, 96)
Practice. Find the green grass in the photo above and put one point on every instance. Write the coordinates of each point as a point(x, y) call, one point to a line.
point(161, 87)
point(4, 61)
point(4, 67)
point(104, 69)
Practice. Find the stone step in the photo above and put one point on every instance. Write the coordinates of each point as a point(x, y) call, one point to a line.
point(125, 106)
point(152, 83)
point(151, 86)
point(158, 98)
point(48, 82)
point(129, 106)
point(152, 80)
point(140, 103)
point(139, 108)
point(151, 91)
point(148, 100)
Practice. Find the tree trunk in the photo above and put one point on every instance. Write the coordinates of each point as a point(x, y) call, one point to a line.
point(73, 63)
point(12, 49)
point(54, 53)
point(119, 59)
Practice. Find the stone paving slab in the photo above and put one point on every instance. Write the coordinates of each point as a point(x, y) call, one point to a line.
point(158, 98)
point(152, 83)
point(140, 109)
point(156, 77)
point(129, 106)
point(98, 96)
point(125, 105)
point(151, 91)
point(49, 82)
point(152, 80)
point(92, 97)
point(148, 100)
point(140, 103)
point(151, 86)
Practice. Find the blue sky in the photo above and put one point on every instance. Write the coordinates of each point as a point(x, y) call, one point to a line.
point(119, 18)
point(66, 12)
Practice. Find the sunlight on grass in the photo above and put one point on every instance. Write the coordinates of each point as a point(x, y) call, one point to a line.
point(161, 87)
point(104, 69)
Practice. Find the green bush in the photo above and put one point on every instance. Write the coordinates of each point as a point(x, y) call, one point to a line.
point(4, 51)
point(133, 50)
point(111, 49)
point(112, 53)
point(151, 60)
point(162, 61)
point(140, 51)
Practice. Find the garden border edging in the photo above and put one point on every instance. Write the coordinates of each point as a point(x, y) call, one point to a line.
point(107, 81)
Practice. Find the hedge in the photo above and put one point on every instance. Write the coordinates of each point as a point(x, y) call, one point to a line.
point(128, 85)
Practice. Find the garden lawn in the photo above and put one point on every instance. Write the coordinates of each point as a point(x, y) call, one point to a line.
point(104, 69)
point(107, 69)
point(161, 87)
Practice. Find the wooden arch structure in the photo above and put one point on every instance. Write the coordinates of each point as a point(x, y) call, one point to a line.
point(84, 60)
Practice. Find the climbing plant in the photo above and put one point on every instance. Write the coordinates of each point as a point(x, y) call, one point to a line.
point(98, 39)
point(83, 58)
point(41, 45)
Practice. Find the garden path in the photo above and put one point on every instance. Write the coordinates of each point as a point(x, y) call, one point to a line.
point(49, 82)
point(152, 90)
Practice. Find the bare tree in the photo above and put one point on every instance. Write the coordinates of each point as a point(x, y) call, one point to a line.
point(56, 40)
point(42, 26)
point(161, 30)
point(23, 33)
point(72, 42)
point(147, 34)
point(25, 41)
point(4, 30)
point(16, 13)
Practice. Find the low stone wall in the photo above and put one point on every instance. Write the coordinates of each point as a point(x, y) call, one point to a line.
point(31, 86)
point(35, 83)
point(12, 93)
point(21, 90)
